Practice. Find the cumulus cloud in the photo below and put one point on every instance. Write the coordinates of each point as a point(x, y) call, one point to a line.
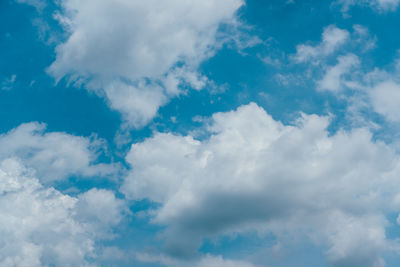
point(54, 155)
point(333, 79)
point(333, 42)
point(100, 206)
point(364, 90)
point(336, 44)
point(332, 39)
point(376, 90)
point(40, 226)
point(381, 88)
point(253, 172)
point(128, 51)
point(348, 78)
point(385, 99)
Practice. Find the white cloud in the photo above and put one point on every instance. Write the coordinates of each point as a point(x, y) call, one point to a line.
point(385, 99)
point(42, 227)
point(8, 83)
point(333, 79)
point(38, 4)
point(347, 79)
point(206, 261)
point(139, 103)
point(54, 155)
point(370, 90)
point(218, 261)
point(362, 37)
point(100, 206)
point(332, 39)
point(378, 5)
point(137, 45)
point(255, 173)
point(377, 90)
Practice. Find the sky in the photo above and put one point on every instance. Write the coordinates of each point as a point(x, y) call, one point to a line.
point(205, 133)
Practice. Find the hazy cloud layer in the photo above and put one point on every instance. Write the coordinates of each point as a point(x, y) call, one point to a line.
point(378, 5)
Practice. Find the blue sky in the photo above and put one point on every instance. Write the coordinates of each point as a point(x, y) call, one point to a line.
point(199, 133)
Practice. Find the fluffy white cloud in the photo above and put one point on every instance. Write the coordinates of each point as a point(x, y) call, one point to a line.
point(333, 79)
point(385, 99)
point(332, 39)
point(101, 209)
point(377, 90)
point(255, 173)
point(54, 155)
point(364, 90)
point(139, 103)
point(348, 79)
point(130, 49)
point(335, 41)
point(42, 227)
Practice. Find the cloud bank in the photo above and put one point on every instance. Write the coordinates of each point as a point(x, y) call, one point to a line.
point(254, 173)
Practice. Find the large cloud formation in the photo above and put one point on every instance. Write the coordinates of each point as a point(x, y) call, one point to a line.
point(40, 226)
point(253, 172)
point(136, 53)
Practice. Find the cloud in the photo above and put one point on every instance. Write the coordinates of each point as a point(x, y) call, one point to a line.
point(378, 5)
point(363, 89)
point(100, 208)
point(128, 51)
point(218, 261)
point(253, 172)
point(376, 90)
point(348, 79)
point(333, 79)
point(206, 261)
point(38, 4)
point(336, 43)
point(54, 155)
point(332, 39)
point(385, 99)
point(8, 83)
point(42, 227)
point(139, 103)
point(333, 42)
point(381, 88)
